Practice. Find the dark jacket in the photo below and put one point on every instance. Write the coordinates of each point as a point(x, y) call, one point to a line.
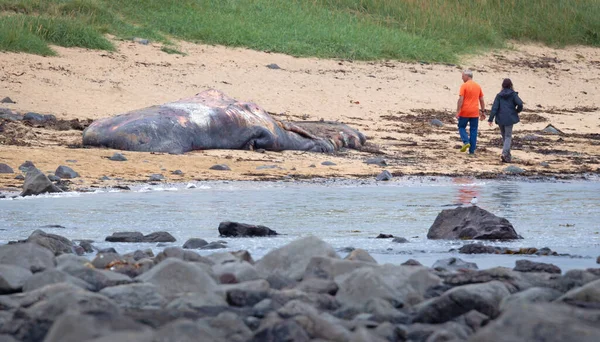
point(506, 108)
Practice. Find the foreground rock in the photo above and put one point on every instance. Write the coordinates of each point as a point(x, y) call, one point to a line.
point(36, 183)
point(235, 229)
point(139, 237)
point(471, 223)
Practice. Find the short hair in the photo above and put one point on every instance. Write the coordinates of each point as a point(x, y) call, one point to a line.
point(507, 84)
point(468, 72)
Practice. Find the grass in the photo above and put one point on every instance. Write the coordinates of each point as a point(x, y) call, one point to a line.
point(428, 30)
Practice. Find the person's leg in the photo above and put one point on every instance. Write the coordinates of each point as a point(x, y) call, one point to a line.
point(462, 130)
point(507, 142)
point(473, 125)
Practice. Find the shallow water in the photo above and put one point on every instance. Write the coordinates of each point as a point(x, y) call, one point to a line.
point(561, 215)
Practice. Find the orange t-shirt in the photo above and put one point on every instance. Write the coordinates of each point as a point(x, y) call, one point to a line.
point(471, 93)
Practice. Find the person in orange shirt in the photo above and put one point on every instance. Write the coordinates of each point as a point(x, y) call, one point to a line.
point(467, 112)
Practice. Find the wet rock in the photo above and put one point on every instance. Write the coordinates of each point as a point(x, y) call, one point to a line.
point(179, 253)
point(177, 173)
point(159, 237)
point(107, 250)
point(98, 279)
point(411, 262)
point(214, 245)
point(156, 177)
point(37, 183)
point(379, 161)
point(125, 237)
point(229, 229)
point(328, 163)
point(20, 177)
point(12, 278)
point(484, 298)
point(5, 168)
point(104, 260)
point(140, 296)
point(7, 100)
point(331, 268)
point(291, 259)
point(27, 255)
point(66, 172)
point(587, 296)
point(53, 276)
point(194, 243)
point(241, 270)
point(55, 243)
point(118, 157)
point(551, 130)
point(541, 322)
point(384, 176)
point(360, 255)
point(26, 166)
point(454, 264)
point(53, 178)
point(273, 66)
point(384, 236)
point(173, 276)
point(287, 330)
point(195, 302)
point(220, 167)
point(87, 246)
point(471, 223)
point(545, 164)
point(436, 123)
point(530, 266)
point(531, 295)
point(477, 248)
point(316, 285)
point(514, 169)
point(400, 240)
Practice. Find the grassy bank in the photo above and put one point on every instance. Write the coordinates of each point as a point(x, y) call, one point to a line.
point(431, 30)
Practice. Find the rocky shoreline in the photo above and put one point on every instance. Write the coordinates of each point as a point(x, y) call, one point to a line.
point(303, 291)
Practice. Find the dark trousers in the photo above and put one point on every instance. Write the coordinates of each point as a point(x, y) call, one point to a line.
point(471, 138)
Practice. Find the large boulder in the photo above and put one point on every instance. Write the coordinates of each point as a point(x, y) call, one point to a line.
point(27, 255)
point(12, 278)
point(542, 322)
point(586, 296)
point(194, 243)
point(65, 172)
point(291, 260)
point(36, 182)
point(471, 223)
point(235, 229)
point(55, 243)
point(173, 276)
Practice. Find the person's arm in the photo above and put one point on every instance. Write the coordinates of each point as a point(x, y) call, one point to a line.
point(482, 104)
point(459, 105)
point(494, 110)
point(519, 103)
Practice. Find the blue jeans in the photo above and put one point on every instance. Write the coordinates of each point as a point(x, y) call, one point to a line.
point(462, 130)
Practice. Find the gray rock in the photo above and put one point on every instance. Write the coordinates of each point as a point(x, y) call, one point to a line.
point(195, 301)
point(484, 298)
point(27, 255)
point(102, 260)
point(235, 229)
point(159, 237)
point(542, 322)
point(384, 176)
point(328, 163)
point(185, 330)
point(379, 161)
point(514, 169)
point(360, 255)
point(125, 237)
point(291, 259)
point(477, 248)
point(449, 331)
point(268, 167)
point(390, 332)
point(278, 282)
point(173, 276)
point(384, 236)
point(26, 166)
point(545, 164)
point(7, 100)
point(129, 336)
point(273, 66)
point(214, 245)
point(98, 279)
point(4, 168)
point(530, 266)
point(176, 252)
point(471, 223)
point(316, 285)
point(177, 173)
point(586, 296)
point(598, 260)
point(194, 243)
point(551, 130)
point(12, 278)
point(7, 338)
point(220, 167)
point(332, 268)
point(53, 178)
point(66, 172)
point(140, 296)
point(20, 177)
point(411, 262)
point(39, 118)
point(241, 298)
point(156, 177)
point(142, 41)
point(436, 123)
point(118, 157)
point(64, 259)
point(241, 270)
point(37, 183)
point(53, 276)
point(531, 295)
point(454, 264)
point(87, 246)
point(400, 240)
point(287, 330)
point(55, 243)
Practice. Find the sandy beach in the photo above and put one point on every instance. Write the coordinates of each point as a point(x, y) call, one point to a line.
point(392, 102)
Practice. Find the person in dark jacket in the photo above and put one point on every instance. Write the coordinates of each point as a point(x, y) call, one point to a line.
point(505, 110)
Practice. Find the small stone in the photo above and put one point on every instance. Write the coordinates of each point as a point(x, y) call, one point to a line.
point(411, 262)
point(7, 100)
point(105, 178)
point(267, 167)
point(191, 186)
point(384, 236)
point(194, 243)
point(117, 157)
point(220, 167)
point(156, 177)
point(545, 164)
point(328, 163)
point(384, 176)
point(71, 161)
point(400, 240)
point(141, 41)
point(513, 169)
point(20, 177)
point(66, 172)
point(214, 245)
point(273, 66)
point(376, 161)
point(436, 123)
point(5, 168)
point(53, 178)
point(551, 130)
point(312, 165)
point(177, 173)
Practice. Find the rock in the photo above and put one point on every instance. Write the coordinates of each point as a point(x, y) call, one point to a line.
point(64, 259)
point(104, 260)
point(530, 266)
point(194, 243)
point(411, 262)
point(328, 163)
point(53, 178)
point(214, 245)
point(332, 268)
point(484, 298)
point(185, 330)
point(37, 183)
point(384, 176)
point(273, 66)
point(98, 279)
point(125, 237)
point(142, 41)
point(379, 161)
point(7, 100)
point(384, 236)
point(55, 243)
point(400, 240)
point(436, 123)
point(267, 167)
point(513, 169)
point(279, 282)
point(477, 248)
point(26, 166)
point(140, 296)
point(241, 270)
point(551, 130)
point(471, 223)
point(87, 246)
point(159, 237)
point(545, 164)
point(598, 260)
point(287, 330)
point(191, 186)
point(454, 264)
point(316, 285)
point(449, 331)
point(587, 296)
point(541, 322)
point(156, 177)
point(173, 276)
point(360, 255)
point(177, 173)
point(27, 255)
point(531, 295)
point(229, 229)
point(220, 167)
point(185, 255)
point(20, 177)
point(39, 118)
point(241, 298)
point(5, 168)
point(12, 278)
point(53, 276)
point(66, 172)
point(118, 157)
point(291, 259)
point(107, 250)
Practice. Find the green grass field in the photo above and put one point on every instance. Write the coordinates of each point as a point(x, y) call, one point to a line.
point(428, 30)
